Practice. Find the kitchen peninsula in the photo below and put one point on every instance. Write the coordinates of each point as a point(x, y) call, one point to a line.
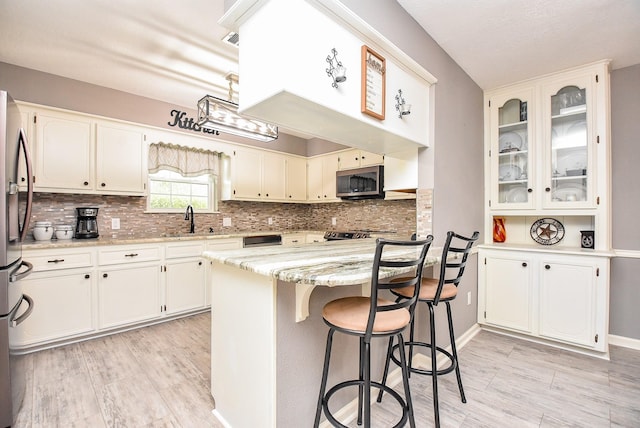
point(268, 336)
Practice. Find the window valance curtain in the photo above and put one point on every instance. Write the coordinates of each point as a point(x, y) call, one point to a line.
point(188, 161)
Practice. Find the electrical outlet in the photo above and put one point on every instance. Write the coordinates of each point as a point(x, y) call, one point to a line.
point(226, 221)
point(270, 220)
point(115, 223)
point(468, 298)
point(333, 221)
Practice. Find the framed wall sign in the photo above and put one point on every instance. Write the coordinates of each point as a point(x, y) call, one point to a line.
point(373, 83)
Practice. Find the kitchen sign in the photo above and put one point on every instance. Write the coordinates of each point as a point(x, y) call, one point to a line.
point(373, 83)
point(180, 119)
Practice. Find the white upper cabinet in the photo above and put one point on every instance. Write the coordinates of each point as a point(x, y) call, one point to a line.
point(258, 175)
point(359, 158)
point(321, 178)
point(77, 153)
point(64, 152)
point(296, 93)
point(546, 142)
point(296, 169)
point(121, 161)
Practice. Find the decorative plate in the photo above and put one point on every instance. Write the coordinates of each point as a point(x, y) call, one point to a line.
point(547, 231)
point(509, 142)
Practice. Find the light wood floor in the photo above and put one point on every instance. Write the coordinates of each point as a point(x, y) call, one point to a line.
point(159, 377)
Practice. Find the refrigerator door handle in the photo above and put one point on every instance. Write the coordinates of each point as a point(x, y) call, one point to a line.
point(16, 276)
point(27, 156)
point(13, 322)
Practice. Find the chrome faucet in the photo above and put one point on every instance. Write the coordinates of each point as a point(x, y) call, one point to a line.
point(189, 216)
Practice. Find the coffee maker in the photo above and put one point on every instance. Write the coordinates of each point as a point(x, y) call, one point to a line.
point(87, 225)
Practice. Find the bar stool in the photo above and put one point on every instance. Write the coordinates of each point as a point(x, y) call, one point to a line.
point(374, 316)
point(455, 252)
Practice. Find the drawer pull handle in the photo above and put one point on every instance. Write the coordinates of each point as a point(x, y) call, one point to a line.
point(55, 261)
point(131, 255)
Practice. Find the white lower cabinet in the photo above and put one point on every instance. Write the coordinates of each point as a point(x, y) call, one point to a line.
point(184, 271)
point(63, 302)
point(569, 293)
point(508, 290)
point(128, 294)
point(558, 297)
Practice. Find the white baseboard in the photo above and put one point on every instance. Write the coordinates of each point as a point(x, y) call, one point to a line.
point(220, 419)
point(626, 342)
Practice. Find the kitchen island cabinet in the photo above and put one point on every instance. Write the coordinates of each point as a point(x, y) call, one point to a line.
point(262, 353)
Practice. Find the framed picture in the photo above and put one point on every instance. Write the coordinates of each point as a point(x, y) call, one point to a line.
point(373, 83)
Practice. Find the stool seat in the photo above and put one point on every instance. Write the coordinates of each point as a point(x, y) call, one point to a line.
point(428, 290)
point(352, 313)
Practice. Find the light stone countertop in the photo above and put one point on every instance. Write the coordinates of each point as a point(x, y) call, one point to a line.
point(330, 263)
point(31, 244)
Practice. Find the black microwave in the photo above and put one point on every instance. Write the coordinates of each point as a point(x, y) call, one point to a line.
point(360, 183)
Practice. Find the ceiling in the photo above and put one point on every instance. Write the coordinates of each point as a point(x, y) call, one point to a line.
point(173, 51)
point(503, 41)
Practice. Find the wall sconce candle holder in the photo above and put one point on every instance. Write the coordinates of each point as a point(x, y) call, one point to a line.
point(402, 108)
point(337, 72)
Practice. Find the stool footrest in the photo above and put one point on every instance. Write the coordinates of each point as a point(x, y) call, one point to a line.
point(357, 382)
point(451, 367)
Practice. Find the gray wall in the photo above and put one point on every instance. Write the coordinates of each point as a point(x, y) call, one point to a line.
point(625, 148)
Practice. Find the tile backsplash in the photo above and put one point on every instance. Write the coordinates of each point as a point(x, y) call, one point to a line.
point(397, 216)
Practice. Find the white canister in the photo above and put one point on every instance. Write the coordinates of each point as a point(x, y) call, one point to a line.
point(42, 230)
point(64, 231)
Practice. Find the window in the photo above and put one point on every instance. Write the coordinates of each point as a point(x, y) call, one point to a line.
point(171, 192)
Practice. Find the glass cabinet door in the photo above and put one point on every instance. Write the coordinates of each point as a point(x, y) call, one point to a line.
point(568, 157)
point(511, 152)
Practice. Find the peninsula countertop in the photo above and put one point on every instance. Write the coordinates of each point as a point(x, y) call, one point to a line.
point(330, 263)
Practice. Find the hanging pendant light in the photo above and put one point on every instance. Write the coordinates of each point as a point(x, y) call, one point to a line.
point(222, 115)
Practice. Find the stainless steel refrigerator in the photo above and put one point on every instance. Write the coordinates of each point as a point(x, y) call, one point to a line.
point(15, 210)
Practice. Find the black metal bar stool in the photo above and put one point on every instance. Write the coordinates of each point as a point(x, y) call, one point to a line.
point(455, 252)
point(368, 317)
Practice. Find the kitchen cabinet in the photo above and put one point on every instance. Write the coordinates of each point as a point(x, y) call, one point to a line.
point(294, 238)
point(508, 288)
point(64, 152)
point(556, 297)
point(547, 145)
point(571, 300)
point(63, 288)
point(401, 174)
point(309, 104)
point(358, 158)
point(321, 178)
point(121, 159)
point(77, 153)
point(258, 175)
point(128, 285)
point(314, 237)
point(296, 179)
point(184, 271)
point(27, 122)
point(218, 245)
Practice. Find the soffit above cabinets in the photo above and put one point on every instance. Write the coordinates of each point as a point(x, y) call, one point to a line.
point(288, 85)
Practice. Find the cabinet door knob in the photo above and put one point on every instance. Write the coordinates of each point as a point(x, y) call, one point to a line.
point(547, 189)
point(530, 190)
point(86, 183)
point(547, 267)
point(524, 264)
point(87, 276)
point(102, 184)
point(267, 195)
point(199, 263)
point(104, 275)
